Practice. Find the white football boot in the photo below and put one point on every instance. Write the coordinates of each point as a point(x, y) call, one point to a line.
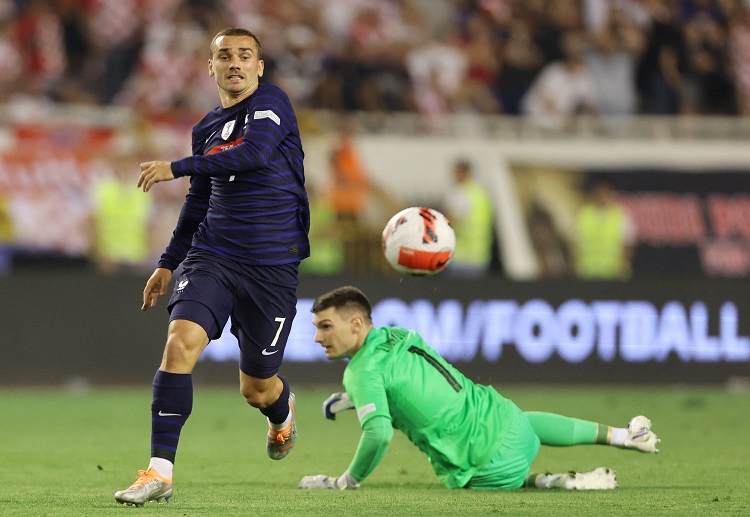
point(149, 486)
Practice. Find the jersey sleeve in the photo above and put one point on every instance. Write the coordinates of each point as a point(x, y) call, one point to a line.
point(377, 433)
point(269, 120)
point(368, 393)
point(192, 214)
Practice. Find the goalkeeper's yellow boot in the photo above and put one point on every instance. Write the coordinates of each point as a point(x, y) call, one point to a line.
point(640, 435)
point(279, 442)
point(149, 486)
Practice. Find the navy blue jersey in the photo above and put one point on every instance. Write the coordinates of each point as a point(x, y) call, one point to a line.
point(247, 198)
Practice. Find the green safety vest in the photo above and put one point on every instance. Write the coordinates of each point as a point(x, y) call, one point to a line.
point(6, 222)
point(474, 231)
point(601, 243)
point(121, 222)
point(326, 247)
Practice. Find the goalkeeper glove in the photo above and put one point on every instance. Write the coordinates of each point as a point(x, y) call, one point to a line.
point(343, 482)
point(337, 402)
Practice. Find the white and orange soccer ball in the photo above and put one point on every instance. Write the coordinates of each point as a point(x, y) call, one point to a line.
point(418, 241)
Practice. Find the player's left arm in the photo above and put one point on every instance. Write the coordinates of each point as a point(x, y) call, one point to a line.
point(154, 172)
point(336, 403)
point(377, 433)
point(251, 154)
point(269, 122)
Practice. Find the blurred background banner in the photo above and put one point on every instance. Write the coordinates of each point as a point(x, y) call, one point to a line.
point(682, 221)
point(592, 156)
point(685, 223)
point(46, 176)
point(66, 326)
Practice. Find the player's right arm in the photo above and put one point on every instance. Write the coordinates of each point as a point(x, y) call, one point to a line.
point(377, 433)
point(367, 392)
point(193, 212)
point(156, 286)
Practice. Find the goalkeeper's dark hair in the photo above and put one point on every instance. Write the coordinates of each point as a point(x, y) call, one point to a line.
point(234, 31)
point(344, 299)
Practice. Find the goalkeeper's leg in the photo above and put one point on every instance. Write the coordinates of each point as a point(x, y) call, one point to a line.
point(563, 431)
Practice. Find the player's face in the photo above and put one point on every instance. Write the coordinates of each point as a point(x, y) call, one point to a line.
point(338, 335)
point(236, 65)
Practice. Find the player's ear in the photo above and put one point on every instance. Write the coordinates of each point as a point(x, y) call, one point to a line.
point(356, 323)
point(261, 67)
point(210, 68)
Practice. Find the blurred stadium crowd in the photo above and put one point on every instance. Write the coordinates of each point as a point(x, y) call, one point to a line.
point(100, 85)
point(427, 56)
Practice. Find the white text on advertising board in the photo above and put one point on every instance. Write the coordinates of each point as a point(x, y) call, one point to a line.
point(633, 331)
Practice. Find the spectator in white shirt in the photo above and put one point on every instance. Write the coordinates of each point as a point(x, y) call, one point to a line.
point(563, 89)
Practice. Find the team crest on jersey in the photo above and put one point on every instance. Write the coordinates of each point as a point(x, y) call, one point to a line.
point(227, 131)
point(182, 285)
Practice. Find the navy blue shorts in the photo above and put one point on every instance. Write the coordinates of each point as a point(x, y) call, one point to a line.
point(262, 301)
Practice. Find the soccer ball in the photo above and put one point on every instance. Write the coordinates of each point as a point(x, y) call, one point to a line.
point(418, 241)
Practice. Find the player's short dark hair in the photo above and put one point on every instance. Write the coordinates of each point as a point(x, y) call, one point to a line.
point(234, 31)
point(346, 299)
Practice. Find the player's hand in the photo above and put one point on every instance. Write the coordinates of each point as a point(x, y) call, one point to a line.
point(154, 172)
point(339, 401)
point(155, 286)
point(319, 481)
point(344, 482)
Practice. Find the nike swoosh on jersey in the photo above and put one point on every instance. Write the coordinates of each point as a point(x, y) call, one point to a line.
point(265, 352)
point(161, 413)
point(211, 135)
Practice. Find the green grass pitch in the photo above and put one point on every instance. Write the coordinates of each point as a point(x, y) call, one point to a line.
point(65, 454)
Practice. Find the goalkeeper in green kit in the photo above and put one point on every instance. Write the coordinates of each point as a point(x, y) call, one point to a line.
point(474, 437)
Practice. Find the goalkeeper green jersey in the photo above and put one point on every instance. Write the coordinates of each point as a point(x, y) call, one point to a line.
point(460, 425)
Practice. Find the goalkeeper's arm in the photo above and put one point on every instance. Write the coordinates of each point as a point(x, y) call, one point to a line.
point(377, 433)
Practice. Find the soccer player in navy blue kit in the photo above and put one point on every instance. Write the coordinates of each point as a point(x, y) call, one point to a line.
point(240, 237)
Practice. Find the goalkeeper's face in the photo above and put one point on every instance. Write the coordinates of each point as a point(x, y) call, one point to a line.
point(339, 332)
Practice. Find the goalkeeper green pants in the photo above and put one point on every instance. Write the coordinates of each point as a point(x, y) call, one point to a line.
point(528, 431)
point(510, 466)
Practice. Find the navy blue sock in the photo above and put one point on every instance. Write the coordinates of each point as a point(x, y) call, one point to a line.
point(171, 406)
point(279, 410)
